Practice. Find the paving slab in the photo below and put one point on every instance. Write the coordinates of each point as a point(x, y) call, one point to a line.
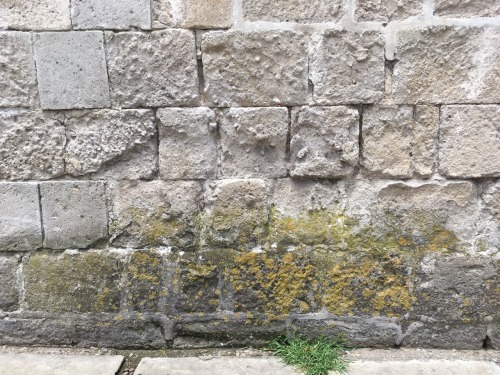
point(423, 367)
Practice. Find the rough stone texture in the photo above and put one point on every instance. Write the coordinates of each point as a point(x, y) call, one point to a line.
point(387, 10)
point(470, 141)
point(74, 213)
point(20, 227)
point(293, 11)
point(347, 68)
point(253, 142)
point(9, 293)
point(111, 14)
point(430, 66)
point(152, 69)
point(466, 8)
point(255, 68)
point(31, 145)
point(181, 131)
point(166, 13)
point(400, 141)
point(17, 73)
point(324, 142)
point(196, 14)
point(98, 138)
point(71, 70)
point(35, 14)
point(488, 239)
point(417, 367)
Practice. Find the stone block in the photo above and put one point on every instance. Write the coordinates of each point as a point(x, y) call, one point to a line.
point(264, 68)
point(430, 66)
point(253, 142)
point(293, 11)
point(470, 141)
point(35, 14)
point(17, 76)
point(324, 142)
point(73, 282)
point(9, 293)
point(74, 213)
point(31, 145)
point(400, 141)
point(98, 139)
point(152, 69)
point(466, 8)
point(183, 130)
point(387, 10)
point(71, 70)
point(20, 227)
point(347, 68)
point(111, 14)
point(196, 14)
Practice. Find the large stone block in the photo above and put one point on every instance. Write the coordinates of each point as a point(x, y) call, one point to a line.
point(400, 141)
point(20, 227)
point(111, 14)
point(255, 68)
point(35, 14)
point(324, 142)
point(31, 145)
point(71, 70)
point(447, 65)
point(347, 68)
point(74, 213)
point(387, 10)
point(9, 293)
point(466, 8)
point(196, 14)
point(181, 131)
point(470, 141)
point(253, 142)
point(17, 76)
point(293, 11)
point(152, 69)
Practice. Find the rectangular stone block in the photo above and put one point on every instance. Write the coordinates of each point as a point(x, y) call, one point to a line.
point(17, 76)
point(20, 226)
point(31, 145)
point(74, 213)
point(196, 14)
point(253, 142)
point(152, 69)
point(470, 141)
point(35, 14)
point(293, 11)
point(447, 65)
point(9, 293)
point(324, 142)
point(265, 68)
point(400, 141)
point(387, 10)
point(466, 8)
point(71, 70)
point(183, 130)
point(111, 14)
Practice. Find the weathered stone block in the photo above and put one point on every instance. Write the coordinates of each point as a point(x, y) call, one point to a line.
point(152, 69)
point(488, 226)
point(9, 293)
point(430, 66)
point(465, 8)
point(111, 14)
point(181, 131)
point(99, 138)
point(255, 68)
point(400, 141)
point(17, 73)
point(74, 213)
point(387, 10)
point(31, 145)
point(197, 14)
point(35, 14)
point(73, 282)
point(347, 68)
point(20, 227)
point(325, 142)
point(253, 142)
point(293, 11)
point(71, 70)
point(470, 141)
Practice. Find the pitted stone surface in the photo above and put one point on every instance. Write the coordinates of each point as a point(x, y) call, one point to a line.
point(17, 73)
point(20, 227)
point(324, 141)
point(470, 141)
point(9, 293)
point(430, 66)
point(75, 225)
point(71, 70)
point(152, 69)
point(181, 130)
point(196, 14)
point(253, 142)
point(111, 14)
point(255, 68)
point(467, 8)
point(387, 10)
point(35, 14)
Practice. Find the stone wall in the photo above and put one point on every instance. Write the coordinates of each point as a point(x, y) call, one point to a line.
point(192, 172)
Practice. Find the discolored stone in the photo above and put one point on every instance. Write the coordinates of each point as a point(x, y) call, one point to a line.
point(9, 293)
point(465, 8)
point(387, 10)
point(35, 14)
point(196, 14)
